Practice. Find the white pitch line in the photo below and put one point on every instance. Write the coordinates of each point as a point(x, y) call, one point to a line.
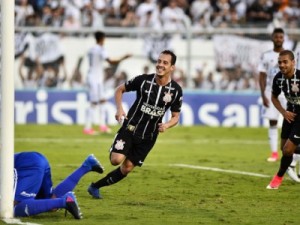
point(17, 221)
point(170, 141)
point(220, 170)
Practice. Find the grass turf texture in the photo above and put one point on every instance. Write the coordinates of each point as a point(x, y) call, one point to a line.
point(159, 193)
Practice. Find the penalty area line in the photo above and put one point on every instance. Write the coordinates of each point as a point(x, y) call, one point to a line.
point(219, 170)
point(17, 221)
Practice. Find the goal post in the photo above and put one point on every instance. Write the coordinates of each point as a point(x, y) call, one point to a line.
point(7, 109)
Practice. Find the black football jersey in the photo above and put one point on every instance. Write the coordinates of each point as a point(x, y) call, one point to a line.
point(152, 102)
point(290, 88)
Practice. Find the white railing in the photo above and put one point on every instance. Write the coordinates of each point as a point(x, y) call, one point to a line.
point(188, 39)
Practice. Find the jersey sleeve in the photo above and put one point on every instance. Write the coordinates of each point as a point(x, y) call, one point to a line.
point(262, 65)
point(104, 54)
point(135, 83)
point(276, 90)
point(176, 105)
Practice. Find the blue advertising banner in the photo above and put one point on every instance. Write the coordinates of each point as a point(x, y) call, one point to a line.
point(69, 107)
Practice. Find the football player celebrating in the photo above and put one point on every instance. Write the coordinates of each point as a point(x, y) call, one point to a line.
point(156, 93)
point(288, 82)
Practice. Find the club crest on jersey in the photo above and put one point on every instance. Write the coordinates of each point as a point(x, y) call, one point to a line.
point(295, 88)
point(119, 144)
point(168, 97)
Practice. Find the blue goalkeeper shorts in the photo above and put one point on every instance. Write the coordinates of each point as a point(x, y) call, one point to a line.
point(32, 176)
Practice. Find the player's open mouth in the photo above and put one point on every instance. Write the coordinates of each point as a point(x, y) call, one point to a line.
point(159, 69)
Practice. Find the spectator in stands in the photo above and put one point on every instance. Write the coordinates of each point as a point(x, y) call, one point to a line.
point(200, 11)
point(179, 76)
point(128, 17)
point(46, 17)
point(22, 10)
point(92, 14)
point(50, 73)
point(28, 79)
point(70, 22)
point(249, 84)
point(76, 80)
point(220, 12)
point(225, 79)
point(57, 16)
point(240, 8)
point(72, 15)
point(148, 15)
point(203, 82)
point(121, 78)
point(260, 13)
point(146, 69)
point(292, 9)
point(173, 17)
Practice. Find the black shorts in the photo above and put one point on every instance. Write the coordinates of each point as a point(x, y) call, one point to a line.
point(291, 131)
point(132, 146)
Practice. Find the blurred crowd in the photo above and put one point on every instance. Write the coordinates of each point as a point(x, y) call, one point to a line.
point(158, 14)
point(165, 15)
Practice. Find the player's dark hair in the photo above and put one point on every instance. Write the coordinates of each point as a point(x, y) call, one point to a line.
point(173, 56)
point(278, 30)
point(99, 35)
point(288, 53)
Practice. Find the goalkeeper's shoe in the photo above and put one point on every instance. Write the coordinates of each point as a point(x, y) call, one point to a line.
point(71, 205)
point(94, 192)
point(275, 182)
point(93, 164)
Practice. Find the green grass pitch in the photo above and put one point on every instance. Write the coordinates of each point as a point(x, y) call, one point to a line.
point(193, 175)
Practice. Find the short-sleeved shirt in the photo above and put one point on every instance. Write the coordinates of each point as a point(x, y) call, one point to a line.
point(152, 102)
point(96, 57)
point(291, 89)
point(269, 65)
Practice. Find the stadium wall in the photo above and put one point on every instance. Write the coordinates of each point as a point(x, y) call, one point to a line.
point(199, 108)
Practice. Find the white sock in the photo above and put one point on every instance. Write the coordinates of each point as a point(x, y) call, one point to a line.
point(273, 138)
point(296, 157)
point(102, 114)
point(295, 160)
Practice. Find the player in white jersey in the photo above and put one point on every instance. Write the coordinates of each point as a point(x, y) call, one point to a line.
point(97, 56)
point(268, 68)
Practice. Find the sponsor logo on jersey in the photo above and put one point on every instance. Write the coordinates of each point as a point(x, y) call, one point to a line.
point(293, 100)
point(295, 87)
point(168, 97)
point(119, 144)
point(24, 193)
point(152, 110)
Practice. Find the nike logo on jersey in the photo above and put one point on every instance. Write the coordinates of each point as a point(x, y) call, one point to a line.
point(296, 136)
point(26, 210)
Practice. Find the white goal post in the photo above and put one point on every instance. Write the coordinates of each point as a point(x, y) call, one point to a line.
point(7, 109)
